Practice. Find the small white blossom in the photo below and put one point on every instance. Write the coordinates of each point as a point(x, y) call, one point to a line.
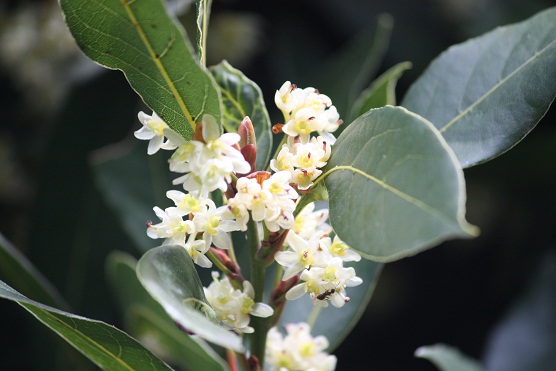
point(233, 306)
point(154, 130)
point(339, 249)
point(298, 350)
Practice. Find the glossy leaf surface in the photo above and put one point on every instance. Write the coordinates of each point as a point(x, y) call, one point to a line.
point(395, 187)
point(140, 39)
point(447, 358)
point(242, 97)
point(105, 345)
point(147, 321)
point(169, 275)
point(486, 94)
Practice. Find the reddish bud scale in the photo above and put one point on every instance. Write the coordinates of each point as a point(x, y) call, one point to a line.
point(277, 129)
point(246, 133)
point(271, 247)
point(249, 153)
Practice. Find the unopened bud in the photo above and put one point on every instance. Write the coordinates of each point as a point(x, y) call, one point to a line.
point(249, 153)
point(246, 133)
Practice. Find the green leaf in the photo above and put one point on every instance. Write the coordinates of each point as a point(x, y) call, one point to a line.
point(394, 185)
point(132, 182)
point(447, 358)
point(382, 91)
point(105, 345)
point(203, 16)
point(147, 321)
point(486, 94)
point(169, 275)
point(140, 39)
point(344, 76)
point(242, 97)
point(24, 276)
point(336, 323)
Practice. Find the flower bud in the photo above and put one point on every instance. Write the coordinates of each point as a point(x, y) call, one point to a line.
point(246, 132)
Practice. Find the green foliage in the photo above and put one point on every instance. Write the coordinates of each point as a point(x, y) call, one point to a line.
point(146, 320)
point(447, 358)
point(486, 94)
point(168, 274)
point(392, 195)
point(105, 345)
point(242, 97)
point(140, 39)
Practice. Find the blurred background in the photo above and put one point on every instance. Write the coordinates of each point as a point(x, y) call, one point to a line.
point(62, 115)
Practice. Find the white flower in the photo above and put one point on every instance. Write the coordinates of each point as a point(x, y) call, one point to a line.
point(212, 222)
point(233, 306)
point(209, 165)
point(172, 226)
point(303, 254)
point(154, 130)
point(339, 249)
point(298, 350)
point(326, 284)
point(310, 224)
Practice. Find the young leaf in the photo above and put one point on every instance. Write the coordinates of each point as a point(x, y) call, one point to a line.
point(169, 275)
point(242, 97)
point(203, 15)
point(331, 322)
point(486, 94)
point(447, 358)
point(105, 345)
point(382, 91)
point(140, 39)
point(395, 187)
point(15, 268)
point(146, 320)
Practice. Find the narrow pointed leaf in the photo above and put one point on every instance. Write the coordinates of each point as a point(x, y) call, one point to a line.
point(17, 270)
point(242, 97)
point(169, 275)
point(140, 39)
point(486, 94)
point(336, 323)
point(203, 16)
point(147, 321)
point(380, 93)
point(447, 358)
point(395, 187)
point(105, 345)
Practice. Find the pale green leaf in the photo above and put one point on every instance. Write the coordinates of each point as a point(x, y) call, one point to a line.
point(447, 358)
point(147, 321)
point(242, 97)
point(336, 323)
point(395, 187)
point(24, 276)
point(105, 345)
point(169, 275)
point(140, 39)
point(486, 94)
point(203, 16)
point(380, 93)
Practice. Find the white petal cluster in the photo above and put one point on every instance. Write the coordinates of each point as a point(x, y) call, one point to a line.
point(155, 130)
point(298, 350)
point(233, 306)
point(208, 165)
point(273, 201)
point(319, 259)
point(190, 218)
point(305, 111)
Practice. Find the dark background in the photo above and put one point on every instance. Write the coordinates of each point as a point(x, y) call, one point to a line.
point(50, 208)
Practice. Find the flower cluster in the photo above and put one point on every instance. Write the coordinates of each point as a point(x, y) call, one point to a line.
point(233, 306)
point(319, 259)
point(298, 350)
point(305, 111)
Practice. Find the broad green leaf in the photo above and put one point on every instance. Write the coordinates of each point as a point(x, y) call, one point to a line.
point(105, 345)
point(336, 323)
point(242, 97)
point(395, 187)
point(345, 75)
point(381, 92)
point(132, 184)
point(147, 321)
point(169, 275)
point(486, 94)
point(203, 15)
point(140, 39)
point(24, 276)
point(447, 358)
